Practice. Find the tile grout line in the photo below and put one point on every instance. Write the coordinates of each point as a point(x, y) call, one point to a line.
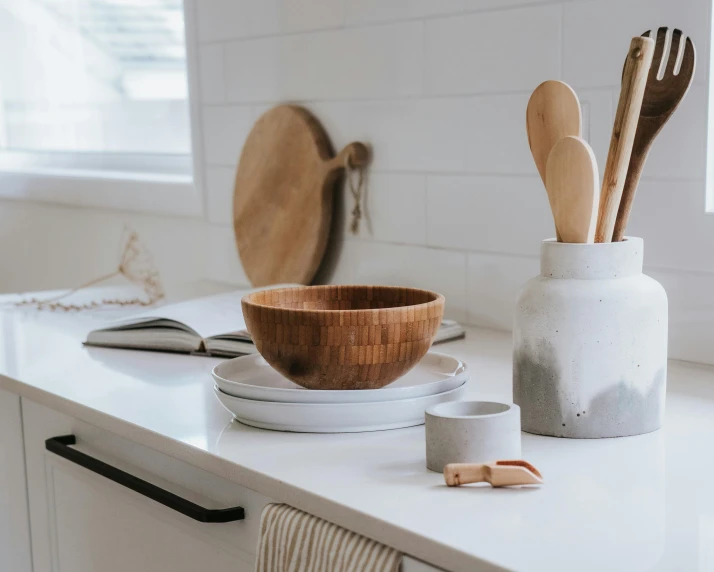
point(345, 26)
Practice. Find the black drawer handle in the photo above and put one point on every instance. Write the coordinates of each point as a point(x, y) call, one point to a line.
point(61, 446)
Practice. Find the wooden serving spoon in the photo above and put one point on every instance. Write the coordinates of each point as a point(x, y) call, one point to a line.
point(498, 474)
point(553, 112)
point(634, 78)
point(661, 99)
point(573, 189)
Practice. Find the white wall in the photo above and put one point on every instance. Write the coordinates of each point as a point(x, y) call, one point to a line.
point(439, 89)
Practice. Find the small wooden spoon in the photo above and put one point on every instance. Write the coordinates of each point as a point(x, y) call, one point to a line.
point(553, 112)
point(661, 99)
point(573, 189)
point(498, 474)
point(634, 78)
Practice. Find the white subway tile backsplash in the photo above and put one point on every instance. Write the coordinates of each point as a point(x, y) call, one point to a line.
point(210, 64)
point(439, 270)
point(221, 20)
point(219, 193)
point(394, 208)
point(301, 15)
point(495, 214)
point(225, 129)
point(691, 313)
point(254, 70)
point(671, 219)
point(479, 134)
point(495, 138)
point(221, 257)
point(493, 285)
point(366, 11)
point(492, 51)
point(596, 35)
point(231, 19)
point(376, 62)
point(598, 117)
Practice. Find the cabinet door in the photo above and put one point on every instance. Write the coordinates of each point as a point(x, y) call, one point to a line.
point(14, 524)
point(84, 522)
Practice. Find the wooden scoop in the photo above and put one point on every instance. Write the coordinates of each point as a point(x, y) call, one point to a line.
point(634, 78)
point(661, 99)
point(498, 474)
point(553, 112)
point(573, 189)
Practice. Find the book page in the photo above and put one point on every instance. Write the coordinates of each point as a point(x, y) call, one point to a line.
point(210, 316)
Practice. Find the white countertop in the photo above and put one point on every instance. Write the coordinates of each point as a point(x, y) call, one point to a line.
point(635, 503)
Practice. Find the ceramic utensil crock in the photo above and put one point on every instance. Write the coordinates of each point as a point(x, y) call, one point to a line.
point(471, 432)
point(590, 343)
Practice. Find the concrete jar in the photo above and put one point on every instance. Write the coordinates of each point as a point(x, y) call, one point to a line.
point(590, 343)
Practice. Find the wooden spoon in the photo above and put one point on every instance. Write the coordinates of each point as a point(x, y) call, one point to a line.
point(498, 474)
point(661, 99)
point(634, 78)
point(553, 112)
point(573, 189)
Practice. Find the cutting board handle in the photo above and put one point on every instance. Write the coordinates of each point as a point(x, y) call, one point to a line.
point(357, 153)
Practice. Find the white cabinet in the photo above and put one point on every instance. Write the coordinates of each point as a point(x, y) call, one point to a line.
point(84, 522)
point(14, 525)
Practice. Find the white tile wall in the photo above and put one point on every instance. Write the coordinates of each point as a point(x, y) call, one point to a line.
point(493, 284)
point(363, 11)
point(373, 62)
point(475, 134)
point(253, 70)
point(396, 264)
point(597, 33)
point(394, 208)
point(485, 52)
point(229, 19)
point(211, 74)
point(439, 89)
point(219, 194)
point(494, 214)
point(224, 131)
point(222, 262)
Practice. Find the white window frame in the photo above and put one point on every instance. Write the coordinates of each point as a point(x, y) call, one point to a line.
point(709, 172)
point(174, 194)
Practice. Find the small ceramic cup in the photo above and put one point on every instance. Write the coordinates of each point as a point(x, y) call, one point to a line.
point(471, 432)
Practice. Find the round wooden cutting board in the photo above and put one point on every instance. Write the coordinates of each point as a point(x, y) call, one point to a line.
point(282, 201)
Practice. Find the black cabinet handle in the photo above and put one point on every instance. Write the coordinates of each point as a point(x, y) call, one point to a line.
point(61, 446)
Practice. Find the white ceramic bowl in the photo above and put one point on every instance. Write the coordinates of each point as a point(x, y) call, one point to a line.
point(472, 432)
point(250, 377)
point(334, 417)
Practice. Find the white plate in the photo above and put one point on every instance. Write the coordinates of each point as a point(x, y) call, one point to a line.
point(334, 417)
point(250, 377)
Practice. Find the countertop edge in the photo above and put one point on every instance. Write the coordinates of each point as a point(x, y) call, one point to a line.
point(420, 547)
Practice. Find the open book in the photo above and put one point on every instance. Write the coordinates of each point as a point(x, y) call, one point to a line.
point(207, 326)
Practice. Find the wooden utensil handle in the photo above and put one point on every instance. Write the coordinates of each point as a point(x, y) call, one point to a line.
point(456, 474)
point(358, 154)
point(634, 79)
point(634, 172)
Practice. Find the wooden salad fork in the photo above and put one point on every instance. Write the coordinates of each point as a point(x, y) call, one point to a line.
point(661, 99)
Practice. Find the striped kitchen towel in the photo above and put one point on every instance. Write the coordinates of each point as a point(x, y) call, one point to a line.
point(294, 541)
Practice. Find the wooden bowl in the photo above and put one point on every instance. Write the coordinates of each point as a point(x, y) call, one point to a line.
point(343, 337)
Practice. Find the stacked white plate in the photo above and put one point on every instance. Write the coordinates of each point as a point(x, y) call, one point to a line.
point(259, 396)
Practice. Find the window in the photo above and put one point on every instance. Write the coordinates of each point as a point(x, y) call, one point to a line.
point(94, 88)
